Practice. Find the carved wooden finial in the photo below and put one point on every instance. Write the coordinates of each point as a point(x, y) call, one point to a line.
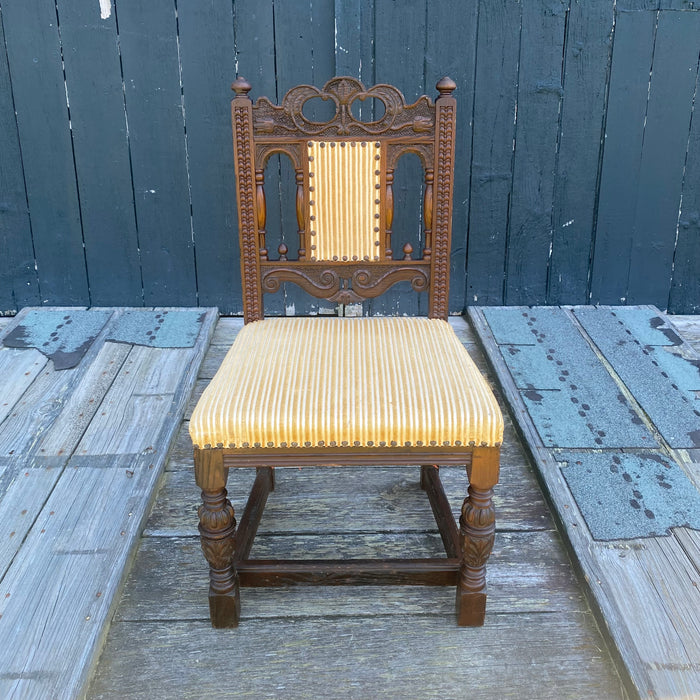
point(282, 250)
point(407, 250)
point(241, 86)
point(446, 86)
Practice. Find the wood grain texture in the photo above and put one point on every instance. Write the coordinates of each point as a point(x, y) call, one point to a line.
point(589, 33)
point(354, 39)
point(441, 59)
point(84, 401)
point(305, 53)
point(570, 187)
point(684, 296)
point(149, 51)
point(303, 500)
point(18, 279)
point(24, 489)
point(53, 615)
point(671, 92)
point(254, 35)
point(90, 50)
point(622, 156)
point(539, 102)
point(42, 402)
point(18, 368)
point(207, 68)
point(528, 572)
point(493, 132)
point(70, 524)
point(636, 584)
point(39, 92)
point(385, 513)
point(399, 31)
point(689, 328)
point(145, 395)
point(328, 659)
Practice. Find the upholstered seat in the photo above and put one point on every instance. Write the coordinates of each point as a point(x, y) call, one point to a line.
point(362, 382)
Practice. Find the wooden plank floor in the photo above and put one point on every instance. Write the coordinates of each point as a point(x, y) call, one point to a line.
point(644, 581)
point(540, 639)
point(81, 452)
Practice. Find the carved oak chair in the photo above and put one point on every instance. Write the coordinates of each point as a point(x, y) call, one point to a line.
point(343, 391)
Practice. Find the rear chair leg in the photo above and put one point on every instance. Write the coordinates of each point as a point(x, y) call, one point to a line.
point(423, 470)
point(217, 527)
point(477, 527)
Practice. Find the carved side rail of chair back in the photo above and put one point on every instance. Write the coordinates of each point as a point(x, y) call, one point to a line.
point(344, 170)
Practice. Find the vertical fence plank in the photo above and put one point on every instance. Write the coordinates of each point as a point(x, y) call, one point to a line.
point(451, 50)
point(684, 296)
point(18, 281)
point(348, 34)
point(354, 44)
point(550, 222)
point(34, 56)
point(95, 91)
point(588, 49)
point(539, 97)
point(305, 53)
point(254, 38)
point(208, 68)
point(624, 132)
point(665, 140)
point(399, 51)
point(496, 84)
point(148, 40)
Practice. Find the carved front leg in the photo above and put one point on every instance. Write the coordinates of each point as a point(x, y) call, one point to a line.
point(477, 527)
point(217, 526)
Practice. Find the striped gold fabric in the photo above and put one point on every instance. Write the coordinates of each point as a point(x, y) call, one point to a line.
point(295, 382)
point(344, 200)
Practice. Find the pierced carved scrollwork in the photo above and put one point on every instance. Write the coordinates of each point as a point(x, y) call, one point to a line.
point(398, 118)
point(345, 283)
point(425, 151)
point(263, 152)
point(477, 525)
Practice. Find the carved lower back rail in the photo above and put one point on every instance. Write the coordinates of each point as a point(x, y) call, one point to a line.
point(345, 283)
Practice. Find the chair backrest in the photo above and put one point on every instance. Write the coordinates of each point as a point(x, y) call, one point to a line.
point(344, 171)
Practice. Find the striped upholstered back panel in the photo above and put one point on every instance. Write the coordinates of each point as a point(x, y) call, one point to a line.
point(344, 200)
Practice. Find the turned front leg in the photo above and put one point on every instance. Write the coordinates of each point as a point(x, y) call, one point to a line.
point(217, 527)
point(477, 527)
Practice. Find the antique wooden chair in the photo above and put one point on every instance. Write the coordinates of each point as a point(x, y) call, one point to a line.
point(346, 391)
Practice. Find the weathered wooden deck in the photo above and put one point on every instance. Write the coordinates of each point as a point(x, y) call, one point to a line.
point(540, 639)
point(83, 441)
point(608, 400)
point(76, 482)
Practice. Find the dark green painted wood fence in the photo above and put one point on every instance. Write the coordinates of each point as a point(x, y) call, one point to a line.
point(578, 159)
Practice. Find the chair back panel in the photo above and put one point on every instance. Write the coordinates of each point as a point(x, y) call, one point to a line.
point(344, 200)
point(344, 170)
